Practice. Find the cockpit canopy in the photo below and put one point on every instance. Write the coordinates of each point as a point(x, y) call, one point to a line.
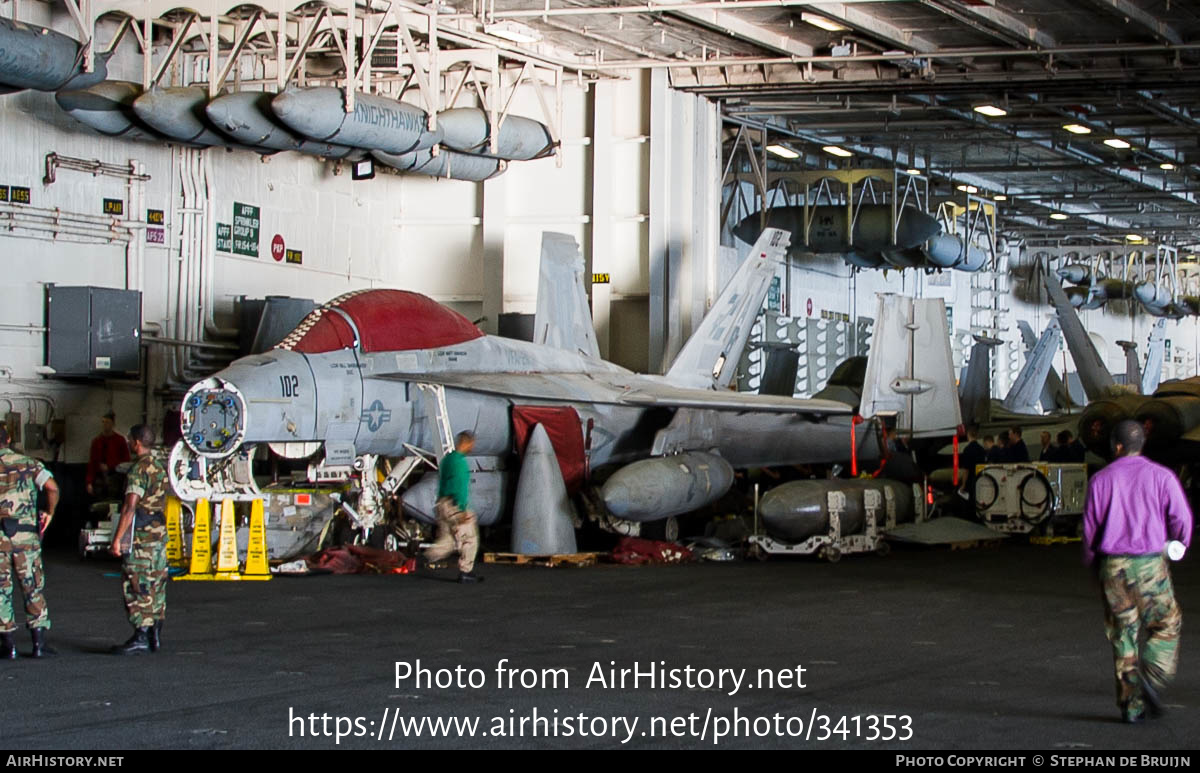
point(386, 320)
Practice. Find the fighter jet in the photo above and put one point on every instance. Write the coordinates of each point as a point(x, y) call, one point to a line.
point(382, 379)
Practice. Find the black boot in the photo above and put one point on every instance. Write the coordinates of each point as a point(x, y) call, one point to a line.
point(40, 648)
point(137, 644)
point(8, 647)
point(466, 577)
point(156, 635)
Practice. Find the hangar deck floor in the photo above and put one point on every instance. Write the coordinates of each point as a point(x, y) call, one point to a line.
point(990, 648)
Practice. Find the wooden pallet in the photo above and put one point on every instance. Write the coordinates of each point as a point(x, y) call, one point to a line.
point(556, 559)
point(972, 544)
point(1053, 540)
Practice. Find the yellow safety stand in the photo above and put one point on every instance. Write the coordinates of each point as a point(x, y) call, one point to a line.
point(227, 557)
point(200, 567)
point(174, 532)
point(257, 567)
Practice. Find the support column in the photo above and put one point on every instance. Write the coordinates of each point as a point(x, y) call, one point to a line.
point(659, 230)
point(494, 216)
point(602, 210)
point(685, 179)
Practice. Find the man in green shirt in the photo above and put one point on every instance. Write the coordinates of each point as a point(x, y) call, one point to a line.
point(457, 528)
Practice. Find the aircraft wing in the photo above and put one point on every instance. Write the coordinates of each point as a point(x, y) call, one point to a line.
point(593, 388)
point(677, 397)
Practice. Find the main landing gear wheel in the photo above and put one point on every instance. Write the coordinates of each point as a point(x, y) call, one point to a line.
point(883, 549)
point(757, 552)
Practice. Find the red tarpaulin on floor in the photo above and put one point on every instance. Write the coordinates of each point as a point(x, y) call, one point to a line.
point(566, 435)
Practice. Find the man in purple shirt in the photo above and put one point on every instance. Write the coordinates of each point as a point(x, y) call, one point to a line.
point(1133, 508)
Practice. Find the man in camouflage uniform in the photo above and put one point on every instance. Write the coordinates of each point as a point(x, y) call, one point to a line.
point(21, 527)
point(1133, 507)
point(141, 536)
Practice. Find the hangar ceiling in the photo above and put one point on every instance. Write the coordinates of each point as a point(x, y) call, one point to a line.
point(898, 83)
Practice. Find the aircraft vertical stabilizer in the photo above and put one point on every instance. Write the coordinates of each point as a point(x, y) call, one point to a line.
point(710, 357)
point(1027, 388)
point(563, 319)
point(1054, 394)
point(1155, 352)
point(910, 369)
point(1096, 379)
point(975, 392)
point(1133, 366)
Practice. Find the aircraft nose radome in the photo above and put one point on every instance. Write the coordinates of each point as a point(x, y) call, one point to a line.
point(213, 418)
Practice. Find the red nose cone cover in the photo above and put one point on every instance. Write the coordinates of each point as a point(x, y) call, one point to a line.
point(387, 320)
point(393, 320)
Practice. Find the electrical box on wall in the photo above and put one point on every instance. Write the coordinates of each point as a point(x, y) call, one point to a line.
point(93, 332)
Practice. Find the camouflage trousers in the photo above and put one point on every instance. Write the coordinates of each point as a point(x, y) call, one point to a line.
point(1143, 622)
point(145, 577)
point(456, 530)
point(22, 553)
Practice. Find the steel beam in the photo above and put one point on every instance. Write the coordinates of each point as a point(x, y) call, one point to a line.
point(993, 21)
point(1144, 19)
point(855, 17)
point(735, 26)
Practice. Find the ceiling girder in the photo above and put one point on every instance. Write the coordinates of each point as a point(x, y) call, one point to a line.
point(1135, 15)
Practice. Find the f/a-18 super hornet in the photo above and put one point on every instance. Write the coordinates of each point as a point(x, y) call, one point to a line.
point(379, 380)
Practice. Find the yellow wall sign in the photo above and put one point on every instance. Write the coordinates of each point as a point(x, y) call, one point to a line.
point(601, 279)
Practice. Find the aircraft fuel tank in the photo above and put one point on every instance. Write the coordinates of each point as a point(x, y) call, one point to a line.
point(798, 510)
point(828, 232)
point(376, 123)
point(519, 139)
point(33, 57)
point(107, 108)
point(656, 488)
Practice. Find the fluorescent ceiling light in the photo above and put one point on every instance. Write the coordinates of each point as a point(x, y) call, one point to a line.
point(1078, 128)
point(1167, 166)
point(834, 150)
point(990, 110)
point(1116, 143)
point(913, 171)
point(1058, 216)
point(514, 31)
point(1133, 237)
point(968, 189)
point(783, 151)
point(1000, 197)
point(820, 21)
